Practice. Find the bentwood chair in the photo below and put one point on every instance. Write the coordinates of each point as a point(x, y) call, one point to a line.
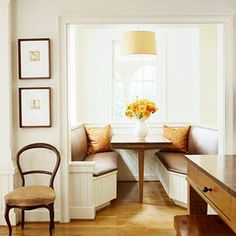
point(33, 196)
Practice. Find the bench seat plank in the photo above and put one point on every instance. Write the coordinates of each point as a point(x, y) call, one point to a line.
point(173, 161)
point(201, 225)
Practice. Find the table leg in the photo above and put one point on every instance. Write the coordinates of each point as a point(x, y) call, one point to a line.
point(141, 173)
point(196, 205)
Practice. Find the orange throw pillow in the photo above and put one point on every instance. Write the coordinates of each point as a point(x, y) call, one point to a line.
point(98, 139)
point(178, 136)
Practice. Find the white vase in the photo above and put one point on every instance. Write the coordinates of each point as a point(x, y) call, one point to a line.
point(140, 129)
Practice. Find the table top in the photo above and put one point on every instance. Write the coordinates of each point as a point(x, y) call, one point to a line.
point(129, 141)
point(221, 168)
point(129, 138)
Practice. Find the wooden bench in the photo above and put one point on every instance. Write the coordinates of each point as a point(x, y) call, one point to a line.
point(93, 178)
point(201, 225)
point(172, 166)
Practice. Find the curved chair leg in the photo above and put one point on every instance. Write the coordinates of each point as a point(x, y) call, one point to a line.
point(22, 219)
point(51, 223)
point(7, 209)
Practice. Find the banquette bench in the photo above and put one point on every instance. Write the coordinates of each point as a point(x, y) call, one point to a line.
point(172, 166)
point(93, 177)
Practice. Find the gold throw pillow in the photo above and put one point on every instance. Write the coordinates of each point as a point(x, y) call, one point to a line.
point(98, 139)
point(178, 136)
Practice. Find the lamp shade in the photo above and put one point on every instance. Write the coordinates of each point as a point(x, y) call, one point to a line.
point(138, 42)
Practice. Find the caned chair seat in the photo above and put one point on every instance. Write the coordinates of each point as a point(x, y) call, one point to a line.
point(31, 196)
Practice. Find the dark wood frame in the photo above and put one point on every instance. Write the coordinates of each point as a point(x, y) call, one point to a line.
point(50, 207)
point(19, 57)
point(20, 108)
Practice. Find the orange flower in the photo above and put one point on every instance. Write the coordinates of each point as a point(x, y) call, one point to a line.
point(141, 108)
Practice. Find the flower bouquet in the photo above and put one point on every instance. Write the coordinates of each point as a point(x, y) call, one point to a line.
point(140, 110)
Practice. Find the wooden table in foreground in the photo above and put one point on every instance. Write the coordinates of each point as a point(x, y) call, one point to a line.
point(212, 179)
point(128, 141)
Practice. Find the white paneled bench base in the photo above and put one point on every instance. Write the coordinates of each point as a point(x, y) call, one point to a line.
point(175, 184)
point(172, 166)
point(89, 193)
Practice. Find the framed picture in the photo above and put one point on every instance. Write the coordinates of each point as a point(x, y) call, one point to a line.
point(34, 58)
point(35, 107)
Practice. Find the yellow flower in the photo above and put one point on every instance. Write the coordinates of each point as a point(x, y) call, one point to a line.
point(134, 107)
point(141, 108)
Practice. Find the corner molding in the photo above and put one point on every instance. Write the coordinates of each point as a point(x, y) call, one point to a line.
point(227, 135)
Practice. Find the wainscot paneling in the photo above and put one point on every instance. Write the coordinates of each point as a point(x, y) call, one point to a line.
point(105, 188)
point(89, 193)
point(174, 184)
point(81, 192)
point(8, 179)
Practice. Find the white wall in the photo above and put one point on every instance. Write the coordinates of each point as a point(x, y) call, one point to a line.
point(5, 85)
point(39, 18)
point(7, 171)
point(181, 77)
point(208, 77)
point(93, 74)
point(176, 82)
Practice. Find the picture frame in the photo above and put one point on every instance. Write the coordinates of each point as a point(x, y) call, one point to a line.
point(35, 107)
point(34, 58)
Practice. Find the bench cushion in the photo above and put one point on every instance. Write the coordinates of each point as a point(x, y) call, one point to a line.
point(105, 162)
point(178, 136)
point(173, 161)
point(98, 139)
point(202, 141)
point(79, 144)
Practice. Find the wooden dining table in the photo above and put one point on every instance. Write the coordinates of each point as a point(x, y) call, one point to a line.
point(212, 180)
point(130, 142)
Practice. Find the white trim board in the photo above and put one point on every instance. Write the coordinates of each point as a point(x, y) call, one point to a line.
point(147, 177)
point(226, 110)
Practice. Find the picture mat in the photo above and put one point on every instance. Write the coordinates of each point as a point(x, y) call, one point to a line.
point(39, 116)
point(37, 69)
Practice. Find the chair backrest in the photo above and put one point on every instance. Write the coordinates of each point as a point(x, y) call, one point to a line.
point(34, 146)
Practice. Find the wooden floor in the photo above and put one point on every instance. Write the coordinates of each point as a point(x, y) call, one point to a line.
point(124, 217)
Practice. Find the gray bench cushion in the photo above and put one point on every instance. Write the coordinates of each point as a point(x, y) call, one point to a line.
point(173, 161)
point(105, 162)
point(79, 144)
point(202, 141)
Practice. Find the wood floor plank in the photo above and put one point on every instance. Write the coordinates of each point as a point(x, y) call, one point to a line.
point(125, 216)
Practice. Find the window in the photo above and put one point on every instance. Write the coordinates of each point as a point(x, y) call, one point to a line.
point(133, 77)
point(102, 81)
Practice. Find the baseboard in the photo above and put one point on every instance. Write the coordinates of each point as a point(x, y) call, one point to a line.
point(82, 212)
point(34, 215)
point(7, 182)
point(103, 206)
point(182, 204)
point(149, 177)
point(13, 215)
point(40, 215)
